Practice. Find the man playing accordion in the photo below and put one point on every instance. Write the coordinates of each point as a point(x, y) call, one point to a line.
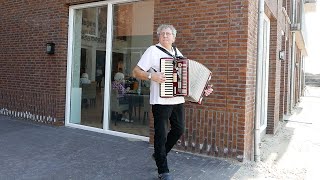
point(148, 68)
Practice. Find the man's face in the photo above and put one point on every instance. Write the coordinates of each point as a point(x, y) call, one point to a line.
point(166, 38)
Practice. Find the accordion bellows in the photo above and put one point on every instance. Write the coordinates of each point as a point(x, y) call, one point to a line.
point(184, 77)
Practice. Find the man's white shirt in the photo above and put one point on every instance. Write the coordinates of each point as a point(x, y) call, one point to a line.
point(151, 60)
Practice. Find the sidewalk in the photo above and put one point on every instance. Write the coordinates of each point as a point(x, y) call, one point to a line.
point(35, 151)
point(294, 151)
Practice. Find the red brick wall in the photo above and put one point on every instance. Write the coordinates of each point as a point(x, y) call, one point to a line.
point(287, 74)
point(285, 63)
point(251, 73)
point(286, 69)
point(277, 27)
point(288, 60)
point(274, 78)
point(32, 80)
point(220, 34)
point(283, 77)
point(73, 2)
point(215, 33)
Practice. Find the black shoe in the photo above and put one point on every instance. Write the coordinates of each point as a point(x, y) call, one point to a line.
point(153, 157)
point(165, 176)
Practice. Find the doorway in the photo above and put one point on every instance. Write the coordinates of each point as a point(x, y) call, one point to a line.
point(265, 74)
point(104, 40)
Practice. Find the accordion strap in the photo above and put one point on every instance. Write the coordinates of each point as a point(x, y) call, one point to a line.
point(165, 51)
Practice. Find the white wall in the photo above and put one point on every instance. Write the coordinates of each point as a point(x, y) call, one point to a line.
point(312, 63)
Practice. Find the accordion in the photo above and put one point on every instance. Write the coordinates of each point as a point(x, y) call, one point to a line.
point(184, 77)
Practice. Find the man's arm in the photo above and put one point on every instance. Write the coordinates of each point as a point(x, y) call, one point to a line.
point(139, 73)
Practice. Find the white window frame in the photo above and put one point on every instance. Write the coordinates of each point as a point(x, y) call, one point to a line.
point(106, 115)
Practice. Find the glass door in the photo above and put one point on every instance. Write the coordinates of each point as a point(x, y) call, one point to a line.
point(132, 35)
point(88, 65)
point(106, 40)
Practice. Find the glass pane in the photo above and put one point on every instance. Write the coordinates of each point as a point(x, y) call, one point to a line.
point(132, 35)
point(88, 66)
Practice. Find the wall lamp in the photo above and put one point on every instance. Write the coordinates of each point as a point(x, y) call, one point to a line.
point(281, 55)
point(50, 48)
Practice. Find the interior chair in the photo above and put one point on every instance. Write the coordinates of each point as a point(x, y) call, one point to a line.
point(115, 106)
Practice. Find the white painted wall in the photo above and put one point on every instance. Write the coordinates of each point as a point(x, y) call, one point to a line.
point(312, 63)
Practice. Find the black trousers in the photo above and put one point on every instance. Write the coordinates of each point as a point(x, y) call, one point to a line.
point(164, 141)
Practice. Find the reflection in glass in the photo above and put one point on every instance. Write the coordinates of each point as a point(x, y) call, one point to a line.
point(132, 35)
point(88, 66)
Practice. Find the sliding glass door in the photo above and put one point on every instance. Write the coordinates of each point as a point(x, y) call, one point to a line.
point(88, 65)
point(107, 40)
point(132, 34)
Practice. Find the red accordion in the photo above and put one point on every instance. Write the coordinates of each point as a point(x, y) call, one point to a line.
point(184, 77)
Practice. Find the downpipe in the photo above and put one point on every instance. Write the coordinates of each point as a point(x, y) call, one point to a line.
point(293, 62)
point(293, 58)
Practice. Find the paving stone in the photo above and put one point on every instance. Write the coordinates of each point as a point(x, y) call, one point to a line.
point(38, 151)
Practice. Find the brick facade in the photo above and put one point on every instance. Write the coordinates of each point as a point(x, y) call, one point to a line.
point(215, 33)
point(33, 81)
point(220, 34)
point(274, 65)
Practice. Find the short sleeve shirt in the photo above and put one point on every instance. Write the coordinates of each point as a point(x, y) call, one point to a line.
point(151, 60)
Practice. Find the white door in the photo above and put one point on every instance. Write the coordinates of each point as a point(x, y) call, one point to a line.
point(265, 73)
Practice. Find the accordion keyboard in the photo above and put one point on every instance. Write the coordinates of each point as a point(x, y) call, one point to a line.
point(166, 88)
point(177, 76)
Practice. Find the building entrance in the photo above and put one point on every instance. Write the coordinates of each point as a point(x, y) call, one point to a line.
point(106, 40)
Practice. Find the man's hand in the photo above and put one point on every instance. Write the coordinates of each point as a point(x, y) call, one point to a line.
point(158, 77)
point(139, 73)
point(208, 90)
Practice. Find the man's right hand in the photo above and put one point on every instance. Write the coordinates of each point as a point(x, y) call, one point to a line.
point(158, 77)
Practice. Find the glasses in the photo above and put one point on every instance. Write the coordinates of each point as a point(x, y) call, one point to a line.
point(165, 34)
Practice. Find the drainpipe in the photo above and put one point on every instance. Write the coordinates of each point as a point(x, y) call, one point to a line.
point(293, 63)
point(303, 75)
point(293, 57)
point(301, 79)
point(258, 82)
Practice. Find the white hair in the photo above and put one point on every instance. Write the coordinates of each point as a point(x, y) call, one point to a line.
point(118, 76)
point(166, 26)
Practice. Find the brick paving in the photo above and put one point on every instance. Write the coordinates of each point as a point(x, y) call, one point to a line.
point(37, 151)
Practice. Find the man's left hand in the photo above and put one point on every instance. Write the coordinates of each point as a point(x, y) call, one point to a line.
point(208, 90)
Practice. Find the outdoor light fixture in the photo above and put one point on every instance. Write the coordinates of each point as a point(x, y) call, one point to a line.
point(50, 48)
point(281, 55)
